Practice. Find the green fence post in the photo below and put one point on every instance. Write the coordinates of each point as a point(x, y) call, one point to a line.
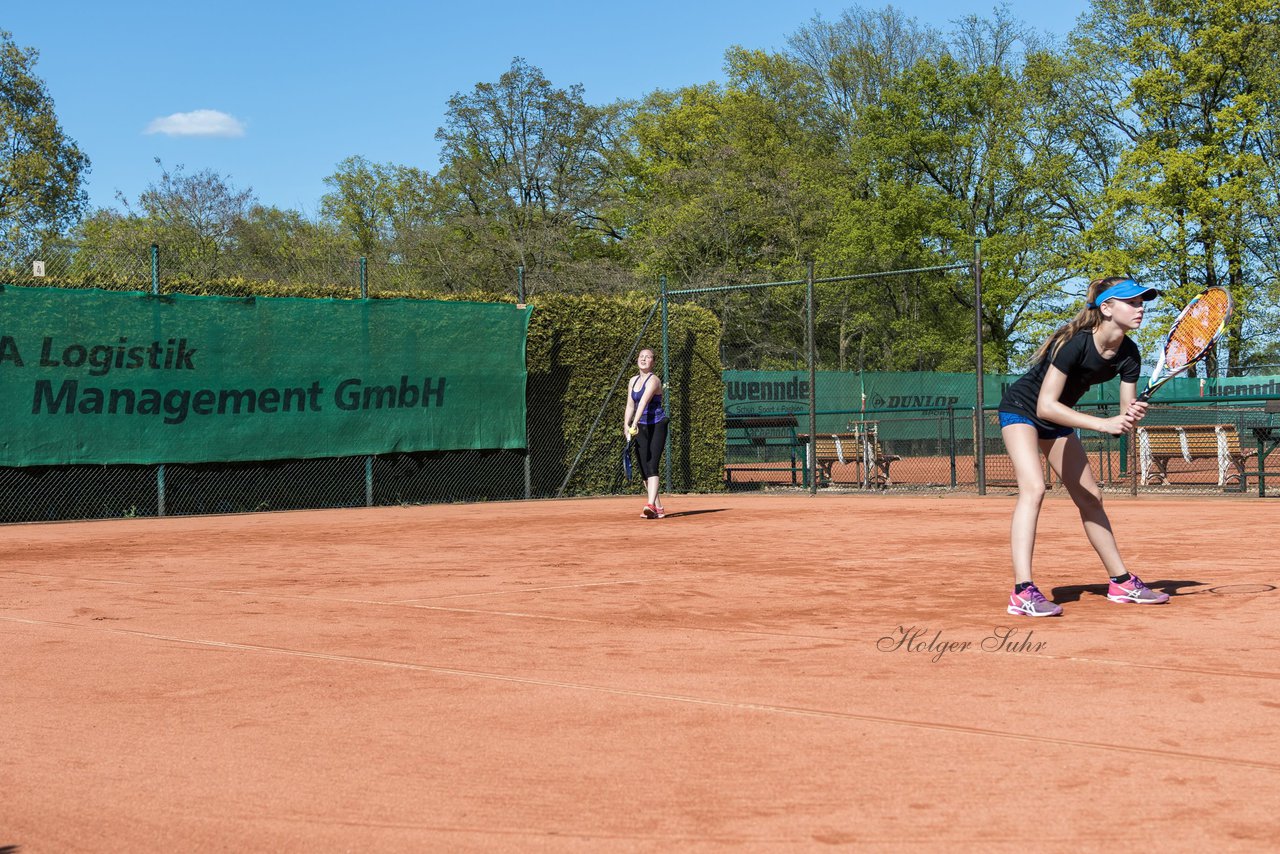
point(979, 413)
point(528, 461)
point(368, 460)
point(666, 377)
point(810, 356)
point(951, 442)
point(155, 291)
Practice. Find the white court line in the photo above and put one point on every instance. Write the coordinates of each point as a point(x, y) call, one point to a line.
point(1140, 665)
point(552, 587)
point(766, 708)
point(408, 603)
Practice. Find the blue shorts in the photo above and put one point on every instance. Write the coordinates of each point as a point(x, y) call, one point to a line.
point(1007, 418)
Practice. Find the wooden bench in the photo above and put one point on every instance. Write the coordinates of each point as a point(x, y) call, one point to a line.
point(1158, 445)
point(860, 449)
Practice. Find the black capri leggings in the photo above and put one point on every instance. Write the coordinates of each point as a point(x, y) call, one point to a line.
point(649, 444)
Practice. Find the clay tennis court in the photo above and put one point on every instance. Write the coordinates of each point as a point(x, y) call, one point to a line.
point(752, 673)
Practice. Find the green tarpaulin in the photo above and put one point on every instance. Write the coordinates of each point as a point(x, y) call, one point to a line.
point(102, 377)
point(908, 404)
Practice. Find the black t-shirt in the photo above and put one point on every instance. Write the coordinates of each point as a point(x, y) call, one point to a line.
point(1084, 366)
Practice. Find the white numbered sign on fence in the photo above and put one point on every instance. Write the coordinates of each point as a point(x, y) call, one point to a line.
point(37, 268)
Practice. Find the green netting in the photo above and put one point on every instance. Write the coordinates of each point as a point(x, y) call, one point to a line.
point(902, 401)
point(92, 376)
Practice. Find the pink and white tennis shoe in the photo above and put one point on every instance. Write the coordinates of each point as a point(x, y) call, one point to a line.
point(1031, 603)
point(1136, 592)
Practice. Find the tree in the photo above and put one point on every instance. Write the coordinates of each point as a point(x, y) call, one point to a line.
point(376, 203)
point(192, 217)
point(957, 152)
point(284, 246)
point(1192, 88)
point(878, 221)
point(526, 174)
point(733, 184)
point(859, 58)
point(41, 170)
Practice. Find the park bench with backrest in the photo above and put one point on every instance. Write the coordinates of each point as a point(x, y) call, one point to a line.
point(859, 448)
point(1159, 445)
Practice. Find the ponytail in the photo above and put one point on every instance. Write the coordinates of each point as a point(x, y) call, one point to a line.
point(1086, 318)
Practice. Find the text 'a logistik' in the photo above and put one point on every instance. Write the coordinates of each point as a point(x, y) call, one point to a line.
point(102, 359)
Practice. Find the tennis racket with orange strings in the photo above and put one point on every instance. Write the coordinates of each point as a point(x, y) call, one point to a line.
point(1192, 336)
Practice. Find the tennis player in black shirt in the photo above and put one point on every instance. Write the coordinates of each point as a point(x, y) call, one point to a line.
point(1036, 417)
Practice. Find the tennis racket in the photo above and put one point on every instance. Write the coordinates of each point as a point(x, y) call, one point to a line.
point(1194, 333)
point(626, 454)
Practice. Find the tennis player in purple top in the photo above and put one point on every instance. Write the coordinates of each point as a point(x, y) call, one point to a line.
point(1036, 417)
point(646, 420)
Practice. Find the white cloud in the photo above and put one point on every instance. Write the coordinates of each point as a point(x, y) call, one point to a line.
point(198, 123)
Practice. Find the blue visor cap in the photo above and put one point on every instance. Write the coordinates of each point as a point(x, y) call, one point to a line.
point(1128, 289)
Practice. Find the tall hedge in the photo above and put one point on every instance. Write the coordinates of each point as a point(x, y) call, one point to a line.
point(578, 345)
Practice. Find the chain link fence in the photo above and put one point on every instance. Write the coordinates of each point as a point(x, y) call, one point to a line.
point(52, 493)
point(801, 416)
point(323, 272)
point(558, 460)
point(870, 432)
point(1206, 447)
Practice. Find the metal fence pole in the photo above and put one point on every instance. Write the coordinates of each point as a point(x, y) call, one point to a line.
point(811, 357)
point(528, 452)
point(155, 291)
point(666, 378)
point(979, 412)
point(951, 442)
point(368, 460)
point(1135, 465)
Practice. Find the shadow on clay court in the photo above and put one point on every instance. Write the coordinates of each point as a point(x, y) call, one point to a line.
point(9, 849)
point(1234, 589)
point(676, 516)
point(1073, 592)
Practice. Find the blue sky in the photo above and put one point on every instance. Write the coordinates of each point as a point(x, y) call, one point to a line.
point(275, 94)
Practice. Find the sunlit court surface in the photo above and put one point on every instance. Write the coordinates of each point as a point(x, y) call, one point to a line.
point(751, 673)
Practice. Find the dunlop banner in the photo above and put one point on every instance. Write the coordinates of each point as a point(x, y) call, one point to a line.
point(90, 376)
point(908, 403)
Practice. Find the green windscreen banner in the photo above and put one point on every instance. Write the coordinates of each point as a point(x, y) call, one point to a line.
point(90, 376)
point(909, 405)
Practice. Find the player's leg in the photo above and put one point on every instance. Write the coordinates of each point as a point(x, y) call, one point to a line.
point(1069, 460)
point(651, 483)
point(648, 469)
point(1023, 445)
point(657, 444)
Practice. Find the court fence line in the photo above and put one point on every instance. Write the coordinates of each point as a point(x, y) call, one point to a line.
point(810, 281)
point(935, 448)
